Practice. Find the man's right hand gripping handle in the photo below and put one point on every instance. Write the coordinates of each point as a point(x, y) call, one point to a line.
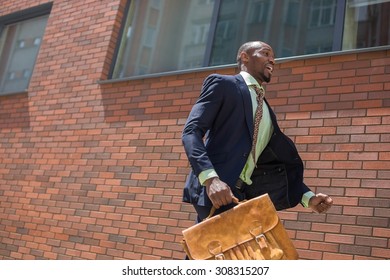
point(219, 192)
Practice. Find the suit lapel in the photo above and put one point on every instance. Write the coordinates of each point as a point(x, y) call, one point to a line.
point(246, 98)
point(273, 116)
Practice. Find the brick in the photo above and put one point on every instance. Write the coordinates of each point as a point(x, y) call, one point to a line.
point(379, 62)
point(321, 227)
point(342, 74)
point(339, 238)
point(376, 165)
point(312, 107)
point(302, 85)
point(360, 192)
point(358, 211)
point(307, 139)
point(346, 201)
point(315, 163)
point(310, 236)
point(314, 123)
point(357, 64)
point(321, 147)
point(370, 221)
point(361, 174)
point(300, 100)
point(327, 83)
point(335, 138)
point(357, 230)
point(321, 130)
point(355, 81)
point(355, 250)
point(315, 76)
point(378, 112)
point(340, 219)
point(378, 129)
point(371, 242)
point(380, 252)
point(303, 70)
point(309, 255)
point(347, 165)
point(364, 138)
point(332, 173)
point(381, 232)
point(297, 116)
point(379, 78)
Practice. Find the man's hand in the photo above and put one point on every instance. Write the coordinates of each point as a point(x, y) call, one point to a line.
point(219, 192)
point(320, 203)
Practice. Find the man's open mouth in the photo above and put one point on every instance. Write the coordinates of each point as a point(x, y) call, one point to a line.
point(270, 68)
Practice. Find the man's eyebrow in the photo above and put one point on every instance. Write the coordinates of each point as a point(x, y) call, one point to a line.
point(265, 48)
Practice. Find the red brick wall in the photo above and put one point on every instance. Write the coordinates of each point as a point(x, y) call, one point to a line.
point(96, 171)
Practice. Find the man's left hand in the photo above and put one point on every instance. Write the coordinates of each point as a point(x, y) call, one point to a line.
point(320, 203)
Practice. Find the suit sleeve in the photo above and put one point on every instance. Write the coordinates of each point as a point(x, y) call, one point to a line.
point(200, 121)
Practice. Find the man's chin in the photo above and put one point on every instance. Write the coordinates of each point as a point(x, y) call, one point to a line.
point(265, 78)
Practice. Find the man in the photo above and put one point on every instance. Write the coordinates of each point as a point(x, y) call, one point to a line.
point(244, 153)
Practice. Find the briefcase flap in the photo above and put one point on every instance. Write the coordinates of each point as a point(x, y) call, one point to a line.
point(231, 228)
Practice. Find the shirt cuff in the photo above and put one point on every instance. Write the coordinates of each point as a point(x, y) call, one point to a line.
point(306, 198)
point(207, 174)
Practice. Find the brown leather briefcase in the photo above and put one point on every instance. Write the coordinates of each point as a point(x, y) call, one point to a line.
point(251, 230)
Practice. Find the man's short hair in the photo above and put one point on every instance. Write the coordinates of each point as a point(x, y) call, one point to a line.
point(247, 47)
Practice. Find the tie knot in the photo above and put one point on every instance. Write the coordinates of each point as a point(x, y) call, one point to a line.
point(259, 90)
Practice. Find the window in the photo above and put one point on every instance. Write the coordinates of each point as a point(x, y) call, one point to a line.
point(322, 13)
point(170, 35)
point(292, 16)
point(162, 36)
point(20, 39)
point(260, 11)
point(366, 24)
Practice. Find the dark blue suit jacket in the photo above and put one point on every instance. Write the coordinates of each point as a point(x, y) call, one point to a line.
point(218, 134)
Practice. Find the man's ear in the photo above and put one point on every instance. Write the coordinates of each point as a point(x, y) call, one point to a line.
point(244, 57)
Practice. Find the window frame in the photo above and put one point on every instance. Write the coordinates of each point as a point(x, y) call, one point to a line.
point(20, 16)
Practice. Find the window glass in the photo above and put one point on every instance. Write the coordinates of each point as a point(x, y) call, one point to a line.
point(164, 35)
point(367, 24)
point(19, 46)
point(291, 27)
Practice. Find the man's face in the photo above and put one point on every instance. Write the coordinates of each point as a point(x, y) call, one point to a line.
point(261, 63)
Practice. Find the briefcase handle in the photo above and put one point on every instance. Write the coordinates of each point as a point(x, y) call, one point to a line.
point(213, 209)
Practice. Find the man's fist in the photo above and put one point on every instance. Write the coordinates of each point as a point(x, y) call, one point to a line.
point(320, 203)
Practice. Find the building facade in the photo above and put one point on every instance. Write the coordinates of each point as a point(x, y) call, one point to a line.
point(92, 105)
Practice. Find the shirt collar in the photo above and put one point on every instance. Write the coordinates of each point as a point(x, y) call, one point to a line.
point(249, 80)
